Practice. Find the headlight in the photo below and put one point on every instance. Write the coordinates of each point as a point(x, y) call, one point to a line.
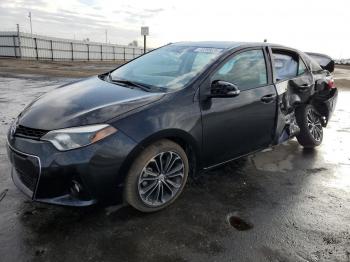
point(75, 137)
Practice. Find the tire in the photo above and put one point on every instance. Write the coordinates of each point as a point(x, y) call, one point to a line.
point(311, 132)
point(157, 176)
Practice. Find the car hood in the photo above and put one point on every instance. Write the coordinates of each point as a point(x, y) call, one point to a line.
point(84, 102)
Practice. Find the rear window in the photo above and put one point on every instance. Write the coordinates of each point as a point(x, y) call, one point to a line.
point(313, 64)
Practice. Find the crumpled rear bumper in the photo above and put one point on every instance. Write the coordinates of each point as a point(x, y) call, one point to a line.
point(325, 105)
point(331, 102)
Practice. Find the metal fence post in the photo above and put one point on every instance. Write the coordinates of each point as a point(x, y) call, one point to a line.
point(124, 54)
point(71, 44)
point(14, 45)
point(88, 52)
point(19, 42)
point(51, 50)
point(36, 49)
point(101, 53)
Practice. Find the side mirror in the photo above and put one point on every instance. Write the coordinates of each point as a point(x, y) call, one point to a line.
point(221, 88)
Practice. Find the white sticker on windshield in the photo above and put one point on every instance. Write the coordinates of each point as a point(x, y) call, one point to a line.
point(208, 50)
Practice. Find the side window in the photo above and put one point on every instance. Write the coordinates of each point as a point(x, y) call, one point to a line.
point(246, 70)
point(301, 67)
point(286, 66)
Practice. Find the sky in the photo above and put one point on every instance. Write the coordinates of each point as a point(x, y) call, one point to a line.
point(308, 25)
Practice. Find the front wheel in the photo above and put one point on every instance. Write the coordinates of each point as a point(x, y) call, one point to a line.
point(311, 132)
point(157, 176)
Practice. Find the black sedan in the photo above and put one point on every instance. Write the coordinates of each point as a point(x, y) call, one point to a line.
point(136, 133)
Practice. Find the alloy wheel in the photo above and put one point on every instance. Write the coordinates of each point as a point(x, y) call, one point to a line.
point(314, 125)
point(161, 179)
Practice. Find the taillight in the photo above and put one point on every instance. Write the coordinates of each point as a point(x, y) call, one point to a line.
point(331, 84)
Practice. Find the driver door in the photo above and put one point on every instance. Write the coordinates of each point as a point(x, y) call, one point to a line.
point(234, 126)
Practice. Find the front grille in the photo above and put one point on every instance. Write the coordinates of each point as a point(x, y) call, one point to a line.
point(29, 132)
point(28, 180)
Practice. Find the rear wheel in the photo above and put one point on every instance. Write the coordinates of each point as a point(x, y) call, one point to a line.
point(311, 131)
point(157, 176)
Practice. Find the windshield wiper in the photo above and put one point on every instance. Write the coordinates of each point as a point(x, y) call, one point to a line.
point(131, 83)
point(142, 86)
point(109, 76)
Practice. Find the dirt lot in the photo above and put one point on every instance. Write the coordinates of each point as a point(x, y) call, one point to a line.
point(288, 204)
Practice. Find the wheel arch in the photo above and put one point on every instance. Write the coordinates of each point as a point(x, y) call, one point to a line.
point(182, 138)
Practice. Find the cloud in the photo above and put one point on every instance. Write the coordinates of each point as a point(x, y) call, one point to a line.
point(88, 2)
point(157, 10)
point(300, 25)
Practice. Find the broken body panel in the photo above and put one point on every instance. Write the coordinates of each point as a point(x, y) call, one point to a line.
point(313, 86)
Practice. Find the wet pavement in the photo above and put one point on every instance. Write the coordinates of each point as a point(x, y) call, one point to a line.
point(12, 66)
point(282, 204)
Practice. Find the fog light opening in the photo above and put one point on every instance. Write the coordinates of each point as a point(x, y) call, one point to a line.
point(76, 189)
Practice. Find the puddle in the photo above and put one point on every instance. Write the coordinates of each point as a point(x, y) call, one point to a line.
point(239, 223)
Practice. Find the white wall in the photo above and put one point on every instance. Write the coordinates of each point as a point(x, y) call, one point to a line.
point(30, 46)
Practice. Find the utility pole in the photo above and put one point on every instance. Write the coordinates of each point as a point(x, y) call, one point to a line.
point(30, 20)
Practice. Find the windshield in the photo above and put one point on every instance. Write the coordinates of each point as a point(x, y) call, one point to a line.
point(170, 67)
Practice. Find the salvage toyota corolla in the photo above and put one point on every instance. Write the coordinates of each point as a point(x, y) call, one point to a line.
point(136, 133)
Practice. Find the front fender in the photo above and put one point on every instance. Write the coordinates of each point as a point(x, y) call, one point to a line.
point(180, 137)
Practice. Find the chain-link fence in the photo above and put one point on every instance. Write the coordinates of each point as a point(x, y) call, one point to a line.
point(27, 46)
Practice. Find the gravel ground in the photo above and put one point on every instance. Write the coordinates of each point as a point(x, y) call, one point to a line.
point(285, 203)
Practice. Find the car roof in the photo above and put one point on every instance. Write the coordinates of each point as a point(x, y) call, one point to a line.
point(224, 44)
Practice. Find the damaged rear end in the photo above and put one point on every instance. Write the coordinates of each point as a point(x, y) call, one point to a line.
point(325, 98)
point(326, 93)
point(313, 85)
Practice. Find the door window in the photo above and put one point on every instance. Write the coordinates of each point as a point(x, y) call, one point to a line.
point(246, 70)
point(301, 67)
point(286, 67)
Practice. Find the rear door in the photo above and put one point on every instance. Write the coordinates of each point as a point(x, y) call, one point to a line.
point(294, 85)
point(238, 125)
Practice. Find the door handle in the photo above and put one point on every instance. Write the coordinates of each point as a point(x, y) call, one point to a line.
point(268, 98)
point(305, 87)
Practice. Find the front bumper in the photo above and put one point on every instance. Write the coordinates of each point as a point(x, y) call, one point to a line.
point(47, 175)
